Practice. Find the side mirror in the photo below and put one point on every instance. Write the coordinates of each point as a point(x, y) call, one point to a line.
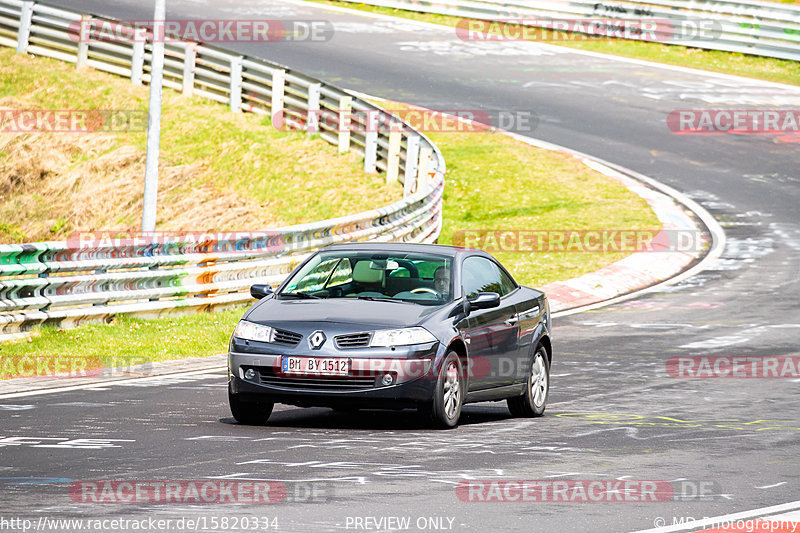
point(484, 300)
point(259, 291)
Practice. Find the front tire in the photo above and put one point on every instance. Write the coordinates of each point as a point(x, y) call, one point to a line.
point(448, 396)
point(249, 413)
point(534, 401)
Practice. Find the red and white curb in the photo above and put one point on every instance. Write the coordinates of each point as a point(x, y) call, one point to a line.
point(638, 270)
point(641, 271)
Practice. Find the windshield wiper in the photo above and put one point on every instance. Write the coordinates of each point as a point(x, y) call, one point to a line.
point(373, 299)
point(302, 295)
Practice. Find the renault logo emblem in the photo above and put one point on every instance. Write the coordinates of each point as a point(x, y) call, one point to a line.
point(316, 340)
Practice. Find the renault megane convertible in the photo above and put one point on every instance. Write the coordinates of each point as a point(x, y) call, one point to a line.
point(367, 326)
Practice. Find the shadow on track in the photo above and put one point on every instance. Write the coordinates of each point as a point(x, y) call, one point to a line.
point(406, 419)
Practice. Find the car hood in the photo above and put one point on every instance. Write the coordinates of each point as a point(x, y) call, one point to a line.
point(341, 311)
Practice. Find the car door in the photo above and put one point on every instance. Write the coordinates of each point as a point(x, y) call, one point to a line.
point(492, 335)
point(527, 304)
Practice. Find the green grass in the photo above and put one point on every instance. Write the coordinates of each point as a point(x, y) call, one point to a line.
point(764, 68)
point(11, 233)
point(134, 341)
point(493, 182)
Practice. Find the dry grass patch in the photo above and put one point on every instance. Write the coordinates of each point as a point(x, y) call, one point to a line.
point(218, 170)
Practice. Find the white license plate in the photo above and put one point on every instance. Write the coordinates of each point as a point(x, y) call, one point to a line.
point(321, 366)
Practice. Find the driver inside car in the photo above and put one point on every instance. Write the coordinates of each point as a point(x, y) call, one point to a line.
point(441, 281)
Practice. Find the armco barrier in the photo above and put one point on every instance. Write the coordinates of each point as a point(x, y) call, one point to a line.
point(66, 283)
point(747, 26)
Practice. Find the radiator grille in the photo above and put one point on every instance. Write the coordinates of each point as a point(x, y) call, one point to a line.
point(287, 338)
point(353, 340)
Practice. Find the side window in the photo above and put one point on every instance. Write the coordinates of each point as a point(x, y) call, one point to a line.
point(479, 274)
point(401, 272)
point(507, 282)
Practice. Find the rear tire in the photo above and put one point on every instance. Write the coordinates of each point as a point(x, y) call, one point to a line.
point(534, 401)
point(249, 413)
point(448, 396)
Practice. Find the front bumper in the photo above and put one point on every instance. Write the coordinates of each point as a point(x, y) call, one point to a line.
point(411, 369)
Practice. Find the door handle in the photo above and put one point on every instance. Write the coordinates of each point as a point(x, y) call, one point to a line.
point(512, 321)
point(534, 312)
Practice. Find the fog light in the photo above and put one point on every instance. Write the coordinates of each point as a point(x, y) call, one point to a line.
point(250, 373)
point(387, 379)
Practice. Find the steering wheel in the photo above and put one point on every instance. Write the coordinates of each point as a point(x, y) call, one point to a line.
point(426, 289)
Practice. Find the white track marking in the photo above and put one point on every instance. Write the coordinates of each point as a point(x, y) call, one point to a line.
point(710, 522)
point(90, 386)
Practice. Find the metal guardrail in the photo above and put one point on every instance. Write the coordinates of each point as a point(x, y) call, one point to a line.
point(66, 283)
point(747, 26)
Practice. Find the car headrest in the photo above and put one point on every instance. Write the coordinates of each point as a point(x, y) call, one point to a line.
point(362, 273)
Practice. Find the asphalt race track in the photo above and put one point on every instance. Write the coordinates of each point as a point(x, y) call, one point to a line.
point(724, 445)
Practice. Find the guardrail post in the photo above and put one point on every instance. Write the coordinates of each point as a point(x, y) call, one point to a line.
point(425, 153)
point(371, 142)
point(345, 108)
point(393, 163)
point(24, 33)
point(412, 163)
point(189, 60)
point(137, 55)
point(236, 84)
point(312, 121)
point(278, 84)
point(83, 42)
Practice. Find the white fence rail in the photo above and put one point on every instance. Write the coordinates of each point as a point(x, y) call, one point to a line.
point(747, 26)
point(66, 283)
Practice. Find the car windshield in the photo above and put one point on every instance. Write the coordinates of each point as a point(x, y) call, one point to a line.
point(416, 278)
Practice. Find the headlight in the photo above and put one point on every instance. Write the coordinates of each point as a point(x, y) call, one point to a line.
point(401, 337)
point(253, 332)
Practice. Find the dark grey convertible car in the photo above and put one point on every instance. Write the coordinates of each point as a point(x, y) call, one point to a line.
point(364, 326)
